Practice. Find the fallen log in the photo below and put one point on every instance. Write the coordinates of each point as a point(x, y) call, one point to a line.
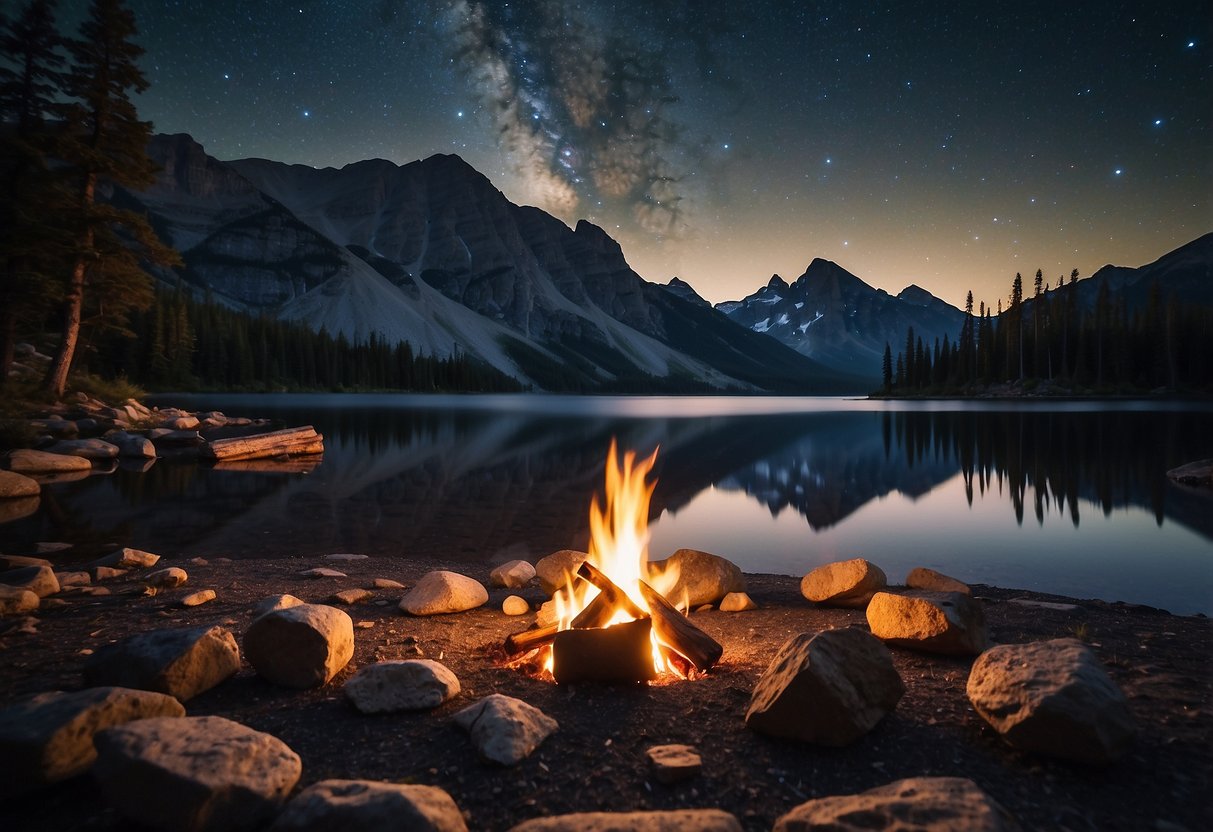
point(288, 442)
point(676, 632)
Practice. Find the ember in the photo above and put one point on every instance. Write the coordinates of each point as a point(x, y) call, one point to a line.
point(613, 625)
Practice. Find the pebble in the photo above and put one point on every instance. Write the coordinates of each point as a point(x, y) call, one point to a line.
point(321, 572)
point(515, 605)
point(351, 596)
point(195, 599)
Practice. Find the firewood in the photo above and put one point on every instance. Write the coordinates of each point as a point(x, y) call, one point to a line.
point(596, 614)
point(288, 442)
point(618, 598)
point(621, 653)
point(676, 632)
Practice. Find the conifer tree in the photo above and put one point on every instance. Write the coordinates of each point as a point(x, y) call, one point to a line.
point(887, 367)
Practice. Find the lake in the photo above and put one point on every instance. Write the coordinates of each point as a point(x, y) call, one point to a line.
point(1068, 498)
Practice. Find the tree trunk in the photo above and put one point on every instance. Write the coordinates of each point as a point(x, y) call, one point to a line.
point(73, 301)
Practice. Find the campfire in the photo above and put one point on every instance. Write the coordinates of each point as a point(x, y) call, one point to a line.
point(614, 621)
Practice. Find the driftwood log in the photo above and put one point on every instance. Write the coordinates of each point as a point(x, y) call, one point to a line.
point(288, 442)
point(676, 632)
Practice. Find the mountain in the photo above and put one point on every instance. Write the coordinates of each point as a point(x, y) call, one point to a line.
point(431, 253)
point(833, 317)
point(680, 288)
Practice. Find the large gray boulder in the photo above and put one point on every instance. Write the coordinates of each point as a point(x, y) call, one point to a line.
point(300, 647)
point(97, 449)
point(332, 805)
point(921, 577)
point(845, 583)
point(512, 575)
point(49, 737)
point(554, 570)
point(182, 662)
point(27, 461)
point(919, 804)
point(39, 580)
point(828, 688)
point(132, 445)
point(443, 592)
point(1053, 698)
point(695, 577)
point(937, 622)
point(503, 729)
point(406, 685)
point(672, 820)
point(194, 774)
point(14, 485)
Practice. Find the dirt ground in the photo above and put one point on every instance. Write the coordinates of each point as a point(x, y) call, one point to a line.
point(596, 760)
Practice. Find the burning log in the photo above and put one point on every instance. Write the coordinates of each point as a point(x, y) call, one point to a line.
point(597, 613)
point(617, 598)
point(676, 632)
point(621, 653)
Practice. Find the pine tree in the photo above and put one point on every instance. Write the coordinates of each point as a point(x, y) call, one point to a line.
point(887, 367)
point(103, 140)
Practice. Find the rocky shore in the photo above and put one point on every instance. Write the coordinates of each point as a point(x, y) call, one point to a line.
point(370, 688)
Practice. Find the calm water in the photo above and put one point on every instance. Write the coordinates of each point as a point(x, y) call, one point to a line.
point(1066, 498)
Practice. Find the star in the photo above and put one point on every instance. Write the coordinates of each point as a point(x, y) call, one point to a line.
point(307, 113)
point(1118, 171)
point(1158, 122)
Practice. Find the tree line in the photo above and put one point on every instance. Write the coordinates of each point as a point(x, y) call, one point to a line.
point(1054, 338)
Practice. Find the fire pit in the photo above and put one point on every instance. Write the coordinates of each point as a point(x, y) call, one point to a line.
point(612, 624)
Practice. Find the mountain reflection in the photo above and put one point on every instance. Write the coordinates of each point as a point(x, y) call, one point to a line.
point(474, 485)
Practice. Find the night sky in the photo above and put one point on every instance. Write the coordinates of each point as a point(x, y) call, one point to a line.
point(945, 144)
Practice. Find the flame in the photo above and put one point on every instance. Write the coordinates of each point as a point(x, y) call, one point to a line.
point(619, 545)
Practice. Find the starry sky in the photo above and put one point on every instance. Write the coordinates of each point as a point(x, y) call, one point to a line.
point(948, 144)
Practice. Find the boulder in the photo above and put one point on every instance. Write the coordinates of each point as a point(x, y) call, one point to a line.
point(408, 685)
point(132, 445)
point(194, 774)
point(512, 575)
point(352, 596)
point(20, 562)
point(58, 428)
point(106, 573)
point(19, 507)
point(386, 583)
point(690, 578)
point(85, 448)
point(1053, 698)
point(173, 576)
point(29, 461)
point(674, 763)
point(180, 423)
point(197, 599)
point(17, 601)
point(515, 605)
point(300, 647)
point(321, 572)
point(937, 804)
point(928, 579)
point(737, 602)
point(370, 805)
point(554, 571)
point(49, 737)
point(830, 688)
point(14, 485)
point(275, 602)
point(844, 583)
point(182, 662)
point(503, 729)
point(39, 580)
point(67, 579)
point(938, 622)
point(673, 820)
point(126, 558)
point(443, 592)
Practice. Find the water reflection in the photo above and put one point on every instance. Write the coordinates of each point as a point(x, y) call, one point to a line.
point(474, 481)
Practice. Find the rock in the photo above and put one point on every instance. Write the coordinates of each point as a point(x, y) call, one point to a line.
point(20, 562)
point(85, 448)
point(443, 592)
point(546, 615)
point(301, 646)
point(321, 572)
point(555, 570)
point(58, 428)
point(106, 573)
point(49, 737)
point(369, 805)
point(845, 583)
point(173, 576)
point(386, 583)
point(345, 556)
point(674, 763)
point(408, 685)
point(515, 605)
point(16, 601)
point(922, 578)
point(39, 580)
point(674, 820)
point(351, 596)
point(132, 445)
point(30, 461)
point(512, 575)
point(67, 579)
point(830, 688)
point(170, 438)
point(503, 729)
point(937, 804)
point(19, 507)
point(13, 485)
point(1054, 698)
point(690, 578)
point(180, 423)
point(937, 622)
point(182, 662)
point(1045, 605)
point(194, 774)
point(197, 599)
point(737, 602)
point(275, 602)
point(127, 559)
